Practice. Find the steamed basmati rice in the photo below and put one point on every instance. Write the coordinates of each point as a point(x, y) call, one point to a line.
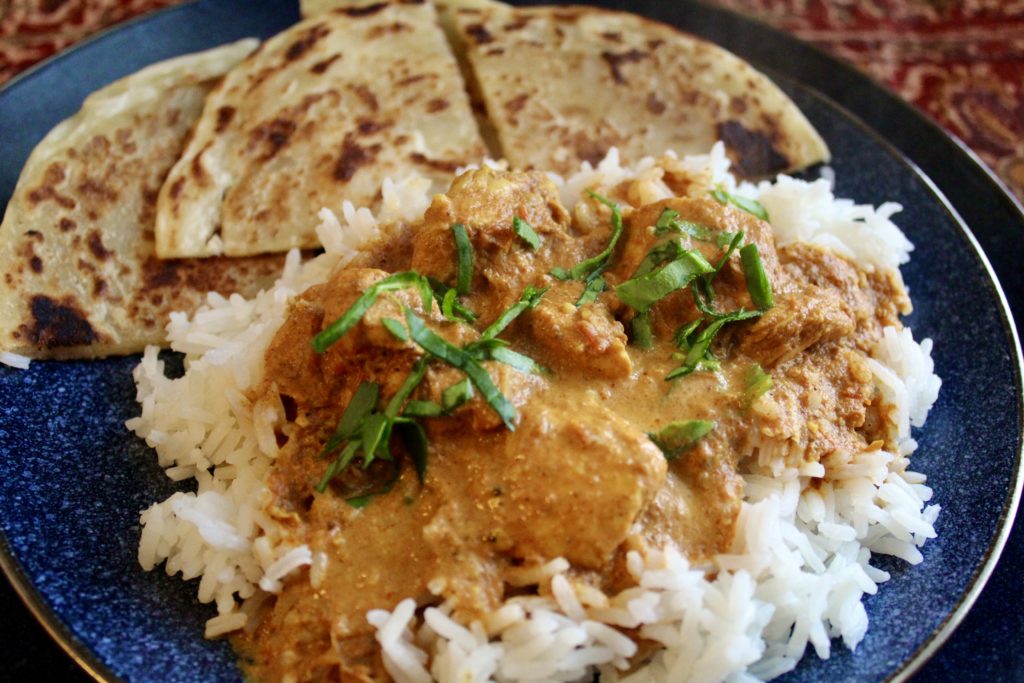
point(795, 576)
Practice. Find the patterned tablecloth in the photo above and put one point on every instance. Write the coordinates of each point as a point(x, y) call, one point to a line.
point(960, 62)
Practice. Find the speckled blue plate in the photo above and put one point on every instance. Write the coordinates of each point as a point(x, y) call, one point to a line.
point(72, 480)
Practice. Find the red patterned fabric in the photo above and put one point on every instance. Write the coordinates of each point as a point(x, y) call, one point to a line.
point(961, 62)
point(31, 30)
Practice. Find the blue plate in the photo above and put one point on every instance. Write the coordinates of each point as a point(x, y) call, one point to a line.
point(72, 480)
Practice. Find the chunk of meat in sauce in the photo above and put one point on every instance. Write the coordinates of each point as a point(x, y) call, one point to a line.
point(475, 414)
point(486, 203)
point(576, 481)
point(798, 321)
point(873, 299)
point(570, 338)
point(731, 293)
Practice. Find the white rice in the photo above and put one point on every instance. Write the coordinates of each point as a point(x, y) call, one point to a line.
point(15, 360)
point(795, 576)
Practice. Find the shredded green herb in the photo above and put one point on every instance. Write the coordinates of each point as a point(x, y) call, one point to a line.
point(591, 291)
point(497, 350)
point(365, 429)
point(526, 232)
point(584, 270)
point(516, 360)
point(640, 330)
point(698, 345)
point(675, 438)
point(751, 206)
point(459, 358)
point(339, 464)
point(372, 433)
point(447, 299)
point(414, 438)
point(659, 254)
point(735, 242)
point(529, 299)
point(349, 318)
point(457, 394)
point(724, 239)
point(464, 259)
point(758, 383)
point(395, 328)
point(362, 403)
point(362, 500)
point(422, 409)
point(643, 292)
point(682, 337)
point(669, 221)
point(757, 281)
point(419, 371)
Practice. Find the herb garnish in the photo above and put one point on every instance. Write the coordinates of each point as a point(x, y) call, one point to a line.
point(444, 350)
point(447, 299)
point(369, 431)
point(528, 300)
point(676, 438)
point(526, 232)
point(758, 383)
point(497, 350)
point(464, 259)
point(644, 291)
point(593, 288)
point(751, 206)
point(457, 394)
point(589, 270)
point(757, 281)
point(697, 348)
point(669, 221)
point(348, 320)
point(640, 330)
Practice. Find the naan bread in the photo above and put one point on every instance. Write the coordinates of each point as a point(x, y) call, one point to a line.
point(563, 85)
point(322, 113)
point(76, 245)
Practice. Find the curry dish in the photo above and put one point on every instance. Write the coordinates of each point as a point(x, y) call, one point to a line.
point(595, 452)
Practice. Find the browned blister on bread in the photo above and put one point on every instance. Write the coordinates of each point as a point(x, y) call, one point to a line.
point(80, 273)
point(322, 113)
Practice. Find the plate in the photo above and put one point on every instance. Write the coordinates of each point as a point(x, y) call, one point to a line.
point(72, 479)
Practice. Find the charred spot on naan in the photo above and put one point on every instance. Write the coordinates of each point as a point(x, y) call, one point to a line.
point(753, 153)
point(77, 242)
point(56, 323)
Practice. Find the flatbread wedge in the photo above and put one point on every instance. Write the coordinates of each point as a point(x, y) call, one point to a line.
point(563, 85)
point(81, 278)
point(322, 113)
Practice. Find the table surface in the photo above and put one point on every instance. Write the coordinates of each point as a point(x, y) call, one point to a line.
point(961, 62)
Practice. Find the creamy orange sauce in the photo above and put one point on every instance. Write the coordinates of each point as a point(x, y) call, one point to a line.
point(578, 477)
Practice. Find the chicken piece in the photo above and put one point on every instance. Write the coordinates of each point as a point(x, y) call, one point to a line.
point(730, 286)
point(341, 292)
point(575, 481)
point(817, 405)
point(585, 339)
point(874, 300)
point(798, 321)
point(697, 508)
point(503, 263)
point(639, 236)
